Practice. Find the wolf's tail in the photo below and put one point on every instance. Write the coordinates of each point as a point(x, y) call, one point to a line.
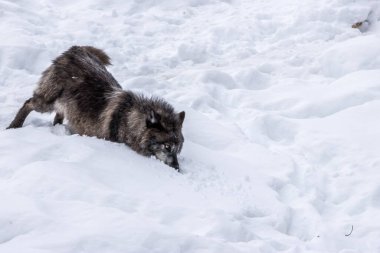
point(100, 54)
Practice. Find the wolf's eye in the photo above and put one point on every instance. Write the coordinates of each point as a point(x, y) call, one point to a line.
point(168, 147)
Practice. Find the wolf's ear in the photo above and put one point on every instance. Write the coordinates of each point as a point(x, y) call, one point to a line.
point(181, 117)
point(152, 119)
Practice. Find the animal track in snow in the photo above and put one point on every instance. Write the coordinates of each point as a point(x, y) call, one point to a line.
point(192, 52)
point(252, 79)
point(218, 79)
point(268, 127)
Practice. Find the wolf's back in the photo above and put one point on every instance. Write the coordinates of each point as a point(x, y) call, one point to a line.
point(100, 54)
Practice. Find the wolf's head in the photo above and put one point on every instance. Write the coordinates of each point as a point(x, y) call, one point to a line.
point(164, 128)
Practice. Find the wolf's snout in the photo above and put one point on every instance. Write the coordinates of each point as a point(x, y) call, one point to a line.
point(175, 163)
point(172, 161)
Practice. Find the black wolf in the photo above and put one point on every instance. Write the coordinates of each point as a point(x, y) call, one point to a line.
point(78, 87)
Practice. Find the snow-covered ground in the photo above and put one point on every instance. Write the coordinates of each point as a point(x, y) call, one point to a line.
point(282, 129)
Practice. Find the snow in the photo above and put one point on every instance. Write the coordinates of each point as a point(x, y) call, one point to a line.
point(281, 148)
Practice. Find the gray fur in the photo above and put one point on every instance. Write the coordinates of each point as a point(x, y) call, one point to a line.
point(78, 87)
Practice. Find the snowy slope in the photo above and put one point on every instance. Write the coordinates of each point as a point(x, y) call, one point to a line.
point(282, 129)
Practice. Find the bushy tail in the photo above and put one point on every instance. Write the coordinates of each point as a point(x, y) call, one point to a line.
point(100, 54)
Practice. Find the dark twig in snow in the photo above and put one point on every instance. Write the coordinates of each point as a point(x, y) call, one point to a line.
point(352, 229)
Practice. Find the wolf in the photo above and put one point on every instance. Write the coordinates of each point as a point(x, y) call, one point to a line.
point(78, 88)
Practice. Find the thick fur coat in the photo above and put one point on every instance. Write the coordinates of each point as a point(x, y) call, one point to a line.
point(78, 87)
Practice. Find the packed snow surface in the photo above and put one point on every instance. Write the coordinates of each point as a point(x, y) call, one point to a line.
point(282, 129)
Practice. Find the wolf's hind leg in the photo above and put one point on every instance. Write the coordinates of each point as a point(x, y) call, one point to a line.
point(22, 114)
point(58, 119)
